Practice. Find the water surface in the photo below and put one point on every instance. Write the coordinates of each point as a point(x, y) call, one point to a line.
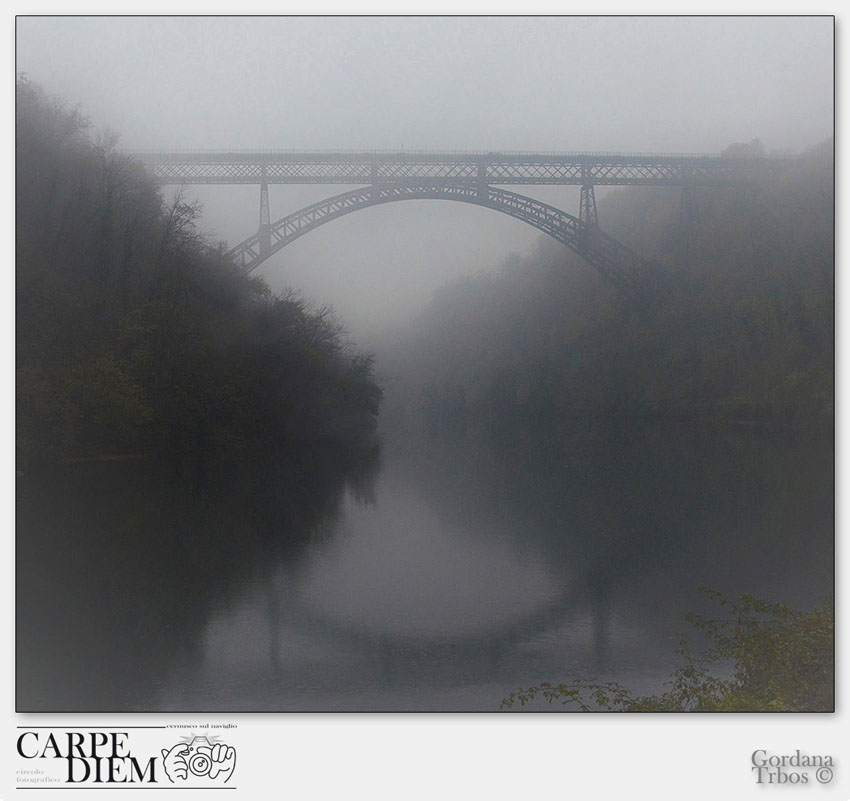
point(441, 577)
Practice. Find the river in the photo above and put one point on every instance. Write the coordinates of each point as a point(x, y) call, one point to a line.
point(441, 575)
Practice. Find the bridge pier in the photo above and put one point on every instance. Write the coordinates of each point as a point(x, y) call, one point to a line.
point(588, 217)
point(264, 232)
point(587, 207)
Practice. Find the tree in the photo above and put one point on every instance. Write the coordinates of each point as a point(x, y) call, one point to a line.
point(782, 660)
point(752, 149)
point(136, 334)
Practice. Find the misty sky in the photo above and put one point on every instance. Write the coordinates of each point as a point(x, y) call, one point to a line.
point(681, 84)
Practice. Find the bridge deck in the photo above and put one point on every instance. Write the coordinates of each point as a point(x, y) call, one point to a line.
point(380, 167)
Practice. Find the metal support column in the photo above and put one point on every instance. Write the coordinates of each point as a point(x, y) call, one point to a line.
point(589, 235)
point(264, 232)
point(587, 212)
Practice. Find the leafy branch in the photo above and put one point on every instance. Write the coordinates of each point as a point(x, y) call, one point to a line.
point(783, 662)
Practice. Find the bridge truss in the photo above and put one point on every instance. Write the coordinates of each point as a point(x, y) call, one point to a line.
point(527, 169)
point(463, 176)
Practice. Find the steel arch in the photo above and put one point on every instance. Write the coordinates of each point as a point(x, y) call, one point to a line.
point(620, 265)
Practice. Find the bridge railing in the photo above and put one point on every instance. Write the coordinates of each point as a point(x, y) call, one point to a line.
point(348, 152)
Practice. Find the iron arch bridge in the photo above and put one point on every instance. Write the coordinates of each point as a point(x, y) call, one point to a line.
point(468, 177)
point(613, 260)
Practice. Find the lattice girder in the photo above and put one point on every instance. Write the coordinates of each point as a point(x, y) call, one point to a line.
point(490, 168)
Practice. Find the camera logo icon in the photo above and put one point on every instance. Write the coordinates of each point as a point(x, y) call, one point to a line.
point(199, 760)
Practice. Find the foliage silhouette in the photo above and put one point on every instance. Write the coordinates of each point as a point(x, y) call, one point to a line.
point(137, 335)
point(743, 330)
point(783, 661)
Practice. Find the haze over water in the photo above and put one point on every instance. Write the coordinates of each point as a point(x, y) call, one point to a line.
point(457, 572)
point(554, 475)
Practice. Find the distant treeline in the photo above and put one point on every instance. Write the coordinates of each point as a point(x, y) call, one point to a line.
point(137, 335)
point(741, 327)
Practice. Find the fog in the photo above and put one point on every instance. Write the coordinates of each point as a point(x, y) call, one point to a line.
point(508, 458)
point(538, 83)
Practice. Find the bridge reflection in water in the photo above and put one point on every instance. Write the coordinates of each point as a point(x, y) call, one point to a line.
point(396, 607)
point(301, 657)
point(480, 568)
point(463, 569)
